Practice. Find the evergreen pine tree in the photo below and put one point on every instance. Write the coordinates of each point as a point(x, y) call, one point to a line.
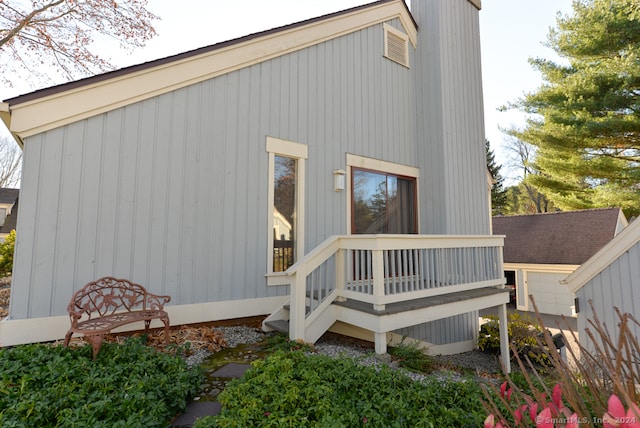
point(498, 193)
point(585, 119)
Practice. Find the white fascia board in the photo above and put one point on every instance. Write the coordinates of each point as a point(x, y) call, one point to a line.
point(603, 258)
point(622, 223)
point(476, 3)
point(5, 116)
point(56, 110)
point(548, 268)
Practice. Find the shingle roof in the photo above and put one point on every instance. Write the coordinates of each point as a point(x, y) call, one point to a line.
point(8, 196)
point(556, 238)
point(11, 220)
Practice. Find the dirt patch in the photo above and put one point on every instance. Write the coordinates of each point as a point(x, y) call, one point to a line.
point(199, 338)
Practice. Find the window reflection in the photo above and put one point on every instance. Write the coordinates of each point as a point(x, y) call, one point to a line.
point(284, 213)
point(383, 203)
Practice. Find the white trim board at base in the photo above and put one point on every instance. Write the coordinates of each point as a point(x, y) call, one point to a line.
point(18, 332)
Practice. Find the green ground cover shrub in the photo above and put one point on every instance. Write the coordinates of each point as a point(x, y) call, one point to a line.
point(129, 385)
point(411, 357)
point(299, 390)
point(280, 342)
point(524, 335)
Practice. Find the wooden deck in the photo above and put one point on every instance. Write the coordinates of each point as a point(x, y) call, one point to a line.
point(416, 304)
point(383, 283)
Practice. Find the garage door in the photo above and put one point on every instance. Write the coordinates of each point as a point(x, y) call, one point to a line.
point(551, 296)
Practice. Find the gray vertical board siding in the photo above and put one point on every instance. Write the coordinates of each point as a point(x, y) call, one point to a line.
point(453, 125)
point(617, 286)
point(450, 123)
point(171, 192)
point(433, 215)
point(454, 329)
point(68, 225)
point(464, 147)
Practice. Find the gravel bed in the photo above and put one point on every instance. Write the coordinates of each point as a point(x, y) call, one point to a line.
point(475, 361)
point(233, 336)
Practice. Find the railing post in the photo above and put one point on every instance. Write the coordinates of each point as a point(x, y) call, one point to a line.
point(340, 274)
point(298, 306)
point(378, 278)
point(503, 319)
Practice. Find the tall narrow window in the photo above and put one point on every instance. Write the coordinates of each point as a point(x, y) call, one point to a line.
point(383, 203)
point(284, 213)
point(286, 206)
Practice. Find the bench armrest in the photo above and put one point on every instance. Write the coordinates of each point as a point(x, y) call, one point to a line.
point(156, 302)
point(74, 316)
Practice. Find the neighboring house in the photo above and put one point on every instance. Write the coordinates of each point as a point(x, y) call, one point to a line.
point(8, 211)
point(540, 250)
point(610, 279)
point(175, 174)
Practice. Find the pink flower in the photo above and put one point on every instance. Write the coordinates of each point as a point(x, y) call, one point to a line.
point(533, 411)
point(557, 396)
point(616, 417)
point(572, 421)
point(615, 413)
point(544, 420)
point(633, 416)
point(518, 413)
point(489, 422)
point(505, 392)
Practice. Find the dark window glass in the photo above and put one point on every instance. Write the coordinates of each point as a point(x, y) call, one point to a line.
point(383, 203)
point(284, 213)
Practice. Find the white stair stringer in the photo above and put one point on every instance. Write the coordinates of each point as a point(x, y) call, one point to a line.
point(321, 319)
point(320, 324)
point(316, 324)
point(282, 313)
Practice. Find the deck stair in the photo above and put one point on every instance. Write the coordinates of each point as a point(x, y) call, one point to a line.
point(281, 326)
point(383, 283)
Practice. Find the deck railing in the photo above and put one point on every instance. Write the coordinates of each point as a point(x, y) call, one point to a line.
point(385, 269)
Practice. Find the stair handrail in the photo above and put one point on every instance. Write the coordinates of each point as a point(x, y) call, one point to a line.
point(299, 271)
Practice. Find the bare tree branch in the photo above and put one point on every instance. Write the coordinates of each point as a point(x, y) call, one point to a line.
point(10, 163)
point(26, 21)
point(58, 36)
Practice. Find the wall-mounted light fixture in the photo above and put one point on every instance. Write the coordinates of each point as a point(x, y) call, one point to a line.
point(338, 180)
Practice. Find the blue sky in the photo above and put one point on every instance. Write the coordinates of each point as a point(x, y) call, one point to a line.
point(511, 32)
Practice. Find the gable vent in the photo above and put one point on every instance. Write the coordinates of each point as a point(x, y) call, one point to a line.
point(396, 45)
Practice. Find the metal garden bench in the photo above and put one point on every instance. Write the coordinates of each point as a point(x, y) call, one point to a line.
point(102, 305)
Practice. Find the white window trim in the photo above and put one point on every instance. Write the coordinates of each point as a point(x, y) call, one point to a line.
point(389, 29)
point(300, 152)
point(382, 166)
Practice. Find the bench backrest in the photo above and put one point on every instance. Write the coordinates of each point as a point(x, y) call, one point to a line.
point(108, 295)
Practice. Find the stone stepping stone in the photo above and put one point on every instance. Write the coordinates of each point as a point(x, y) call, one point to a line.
point(231, 370)
point(199, 409)
point(196, 410)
